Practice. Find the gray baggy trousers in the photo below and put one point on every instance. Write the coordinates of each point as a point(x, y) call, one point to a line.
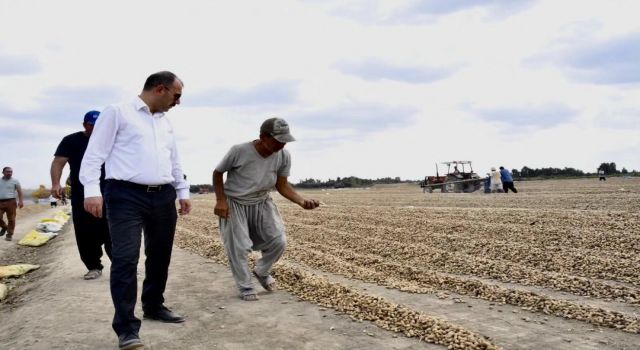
point(252, 227)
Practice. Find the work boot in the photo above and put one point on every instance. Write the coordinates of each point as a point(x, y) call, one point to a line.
point(163, 314)
point(93, 274)
point(129, 341)
point(8, 237)
point(3, 231)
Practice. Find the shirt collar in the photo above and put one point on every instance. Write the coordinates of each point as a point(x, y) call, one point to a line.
point(141, 105)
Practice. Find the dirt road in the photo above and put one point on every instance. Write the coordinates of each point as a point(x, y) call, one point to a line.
point(54, 308)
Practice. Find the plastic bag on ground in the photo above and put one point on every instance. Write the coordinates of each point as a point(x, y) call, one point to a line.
point(54, 220)
point(16, 270)
point(48, 227)
point(3, 291)
point(35, 238)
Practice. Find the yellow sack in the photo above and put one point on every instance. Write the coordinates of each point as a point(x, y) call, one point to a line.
point(34, 239)
point(61, 216)
point(16, 270)
point(3, 291)
point(56, 220)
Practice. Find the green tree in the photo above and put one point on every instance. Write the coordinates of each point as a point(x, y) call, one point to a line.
point(41, 193)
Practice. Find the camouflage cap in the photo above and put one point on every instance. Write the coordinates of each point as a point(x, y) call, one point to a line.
point(278, 128)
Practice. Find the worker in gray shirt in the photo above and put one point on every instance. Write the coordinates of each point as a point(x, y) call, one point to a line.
point(249, 220)
point(9, 190)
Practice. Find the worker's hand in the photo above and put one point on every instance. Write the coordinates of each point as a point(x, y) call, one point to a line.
point(310, 203)
point(56, 191)
point(185, 206)
point(93, 205)
point(222, 208)
point(20, 204)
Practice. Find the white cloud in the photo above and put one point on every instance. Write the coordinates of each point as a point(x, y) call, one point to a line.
point(371, 88)
point(13, 64)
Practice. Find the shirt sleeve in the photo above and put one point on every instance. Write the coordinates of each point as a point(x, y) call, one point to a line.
point(179, 182)
point(99, 148)
point(228, 161)
point(285, 167)
point(64, 148)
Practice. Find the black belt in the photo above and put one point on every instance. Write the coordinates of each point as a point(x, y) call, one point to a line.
point(7, 199)
point(145, 188)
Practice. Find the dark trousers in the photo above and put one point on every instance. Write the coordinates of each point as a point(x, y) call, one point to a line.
point(91, 234)
point(131, 210)
point(9, 206)
point(508, 185)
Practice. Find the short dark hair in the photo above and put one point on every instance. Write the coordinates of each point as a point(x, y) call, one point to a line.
point(501, 168)
point(165, 78)
point(5, 168)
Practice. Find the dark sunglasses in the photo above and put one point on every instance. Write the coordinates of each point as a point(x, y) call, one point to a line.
point(175, 95)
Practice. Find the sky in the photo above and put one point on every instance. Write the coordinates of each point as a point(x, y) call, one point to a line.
point(378, 88)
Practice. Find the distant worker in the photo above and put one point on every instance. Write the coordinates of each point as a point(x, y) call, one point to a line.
point(249, 220)
point(9, 188)
point(507, 180)
point(487, 183)
point(601, 175)
point(91, 233)
point(496, 182)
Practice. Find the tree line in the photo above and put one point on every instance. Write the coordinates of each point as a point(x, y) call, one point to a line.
point(610, 169)
point(345, 182)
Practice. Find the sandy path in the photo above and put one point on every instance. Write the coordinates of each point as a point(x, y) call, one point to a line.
point(54, 308)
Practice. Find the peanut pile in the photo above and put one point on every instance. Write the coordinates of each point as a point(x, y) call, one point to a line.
point(578, 237)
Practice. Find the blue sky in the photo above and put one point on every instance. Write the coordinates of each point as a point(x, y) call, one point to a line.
point(371, 88)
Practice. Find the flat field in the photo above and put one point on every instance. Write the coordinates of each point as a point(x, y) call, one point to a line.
point(555, 266)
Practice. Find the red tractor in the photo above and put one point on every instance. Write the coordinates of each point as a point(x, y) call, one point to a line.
point(459, 178)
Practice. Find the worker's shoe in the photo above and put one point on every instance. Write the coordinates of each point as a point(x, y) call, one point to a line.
point(8, 237)
point(129, 341)
point(3, 231)
point(93, 274)
point(163, 314)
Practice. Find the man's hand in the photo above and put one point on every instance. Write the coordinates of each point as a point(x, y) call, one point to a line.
point(222, 208)
point(56, 191)
point(93, 205)
point(310, 203)
point(185, 206)
point(20, 204)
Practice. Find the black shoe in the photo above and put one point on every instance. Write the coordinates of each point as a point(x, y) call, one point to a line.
point(3, 231)
point(164, 315)
point(128, 341)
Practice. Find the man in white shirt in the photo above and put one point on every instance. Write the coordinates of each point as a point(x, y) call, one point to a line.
point(496, 181)
point(143, 173)
point(601, 175)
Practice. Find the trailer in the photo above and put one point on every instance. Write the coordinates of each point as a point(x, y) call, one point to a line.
point(460, 178)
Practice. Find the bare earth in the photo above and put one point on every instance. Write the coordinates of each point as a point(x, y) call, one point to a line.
point(54, 308)
point(554, 266)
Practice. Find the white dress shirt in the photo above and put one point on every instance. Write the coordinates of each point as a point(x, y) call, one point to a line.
point(135, 146)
